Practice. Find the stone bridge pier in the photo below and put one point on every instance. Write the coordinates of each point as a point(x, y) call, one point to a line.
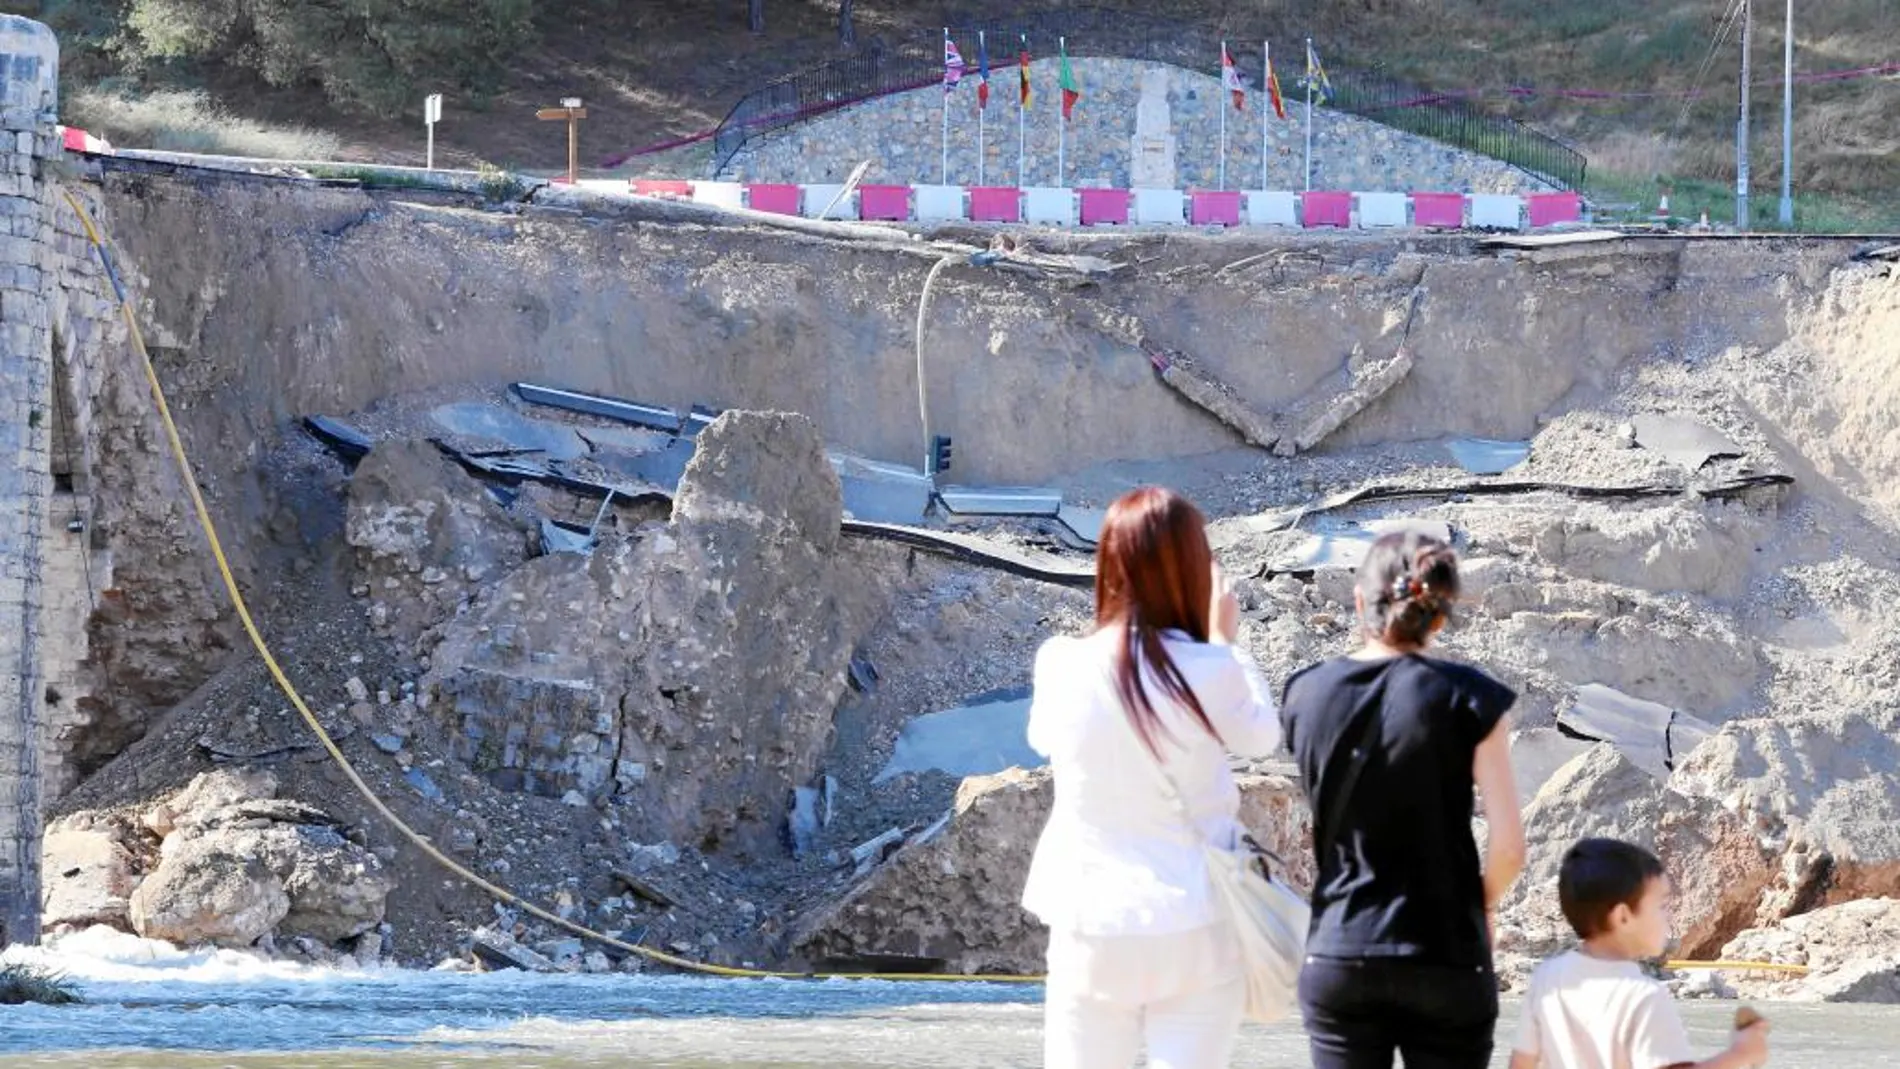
point(29, 79)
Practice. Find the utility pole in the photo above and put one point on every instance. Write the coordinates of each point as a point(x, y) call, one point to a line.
point(1787, 120)
point(571, 113)
point(1741, 124)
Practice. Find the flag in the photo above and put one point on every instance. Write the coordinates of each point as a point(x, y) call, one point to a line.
point(1022, 70)
point(1071, 89)
point(983, 72)
point(952, 63)
point(1316, 75)
point(1273, 89)
point(1230, 79)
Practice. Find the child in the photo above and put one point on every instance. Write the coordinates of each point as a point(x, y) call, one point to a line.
point(1592, 1008)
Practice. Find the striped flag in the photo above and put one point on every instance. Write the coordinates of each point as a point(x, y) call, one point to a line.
point(952, 63)
point(1273, 89)
point(1316, 75)
point(1071, 89)
point(1022, 69)
point(983, 72)
point(1230, 79)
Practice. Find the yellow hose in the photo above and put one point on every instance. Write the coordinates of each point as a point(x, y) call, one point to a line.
point(420, 842)
point(356, 780)
point(1739, 966)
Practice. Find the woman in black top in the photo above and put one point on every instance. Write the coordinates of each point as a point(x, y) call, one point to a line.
point(1399, 955)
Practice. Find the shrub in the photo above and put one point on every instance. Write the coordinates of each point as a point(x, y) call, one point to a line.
point(23, 983)
point(184, 121)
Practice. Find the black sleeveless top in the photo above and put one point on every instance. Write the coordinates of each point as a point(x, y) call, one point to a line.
point(1400, 876)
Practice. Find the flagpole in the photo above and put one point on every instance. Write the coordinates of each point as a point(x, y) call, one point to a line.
point(1309, 114)
point(1266, 106)
point(945, 180)
point(1022, 117)
point(1221, 106)
point(982, 100)
point(1062, 122)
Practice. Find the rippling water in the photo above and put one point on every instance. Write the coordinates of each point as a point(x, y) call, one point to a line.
point(153, 1007)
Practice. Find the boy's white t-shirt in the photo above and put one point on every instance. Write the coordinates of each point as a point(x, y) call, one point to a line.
point(1588, 1013)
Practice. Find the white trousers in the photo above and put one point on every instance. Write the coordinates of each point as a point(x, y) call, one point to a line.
point(1181, 995)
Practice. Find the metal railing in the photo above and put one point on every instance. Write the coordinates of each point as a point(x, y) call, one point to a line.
point(1117, 34)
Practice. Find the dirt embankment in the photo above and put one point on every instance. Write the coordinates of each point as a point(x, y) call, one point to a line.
point(296, 300)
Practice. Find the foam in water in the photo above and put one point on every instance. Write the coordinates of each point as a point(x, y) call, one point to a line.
point(105, 955)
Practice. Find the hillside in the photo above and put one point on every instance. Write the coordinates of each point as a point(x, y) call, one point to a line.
point(1639, 86)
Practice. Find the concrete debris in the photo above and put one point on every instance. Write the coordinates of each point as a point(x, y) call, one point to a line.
point(1487, 456)
point(494, 950)
point(803, 824)
point(1652, 736)
point(1688, 442)
point(228, 875)
point(724, 634)
point(511, 430)
point(867, 855)
point(1319, 414)
point(952, 897)
point(1182, 374)
point(1852, 952)
point(972, 740)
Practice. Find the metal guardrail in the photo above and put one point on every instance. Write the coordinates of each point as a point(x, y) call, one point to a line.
point(1118, 34)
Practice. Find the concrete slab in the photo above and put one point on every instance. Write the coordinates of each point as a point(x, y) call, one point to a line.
point(1684, 441)
point(661, 467)
point(971, 740)
point(1001, 500)
point(880, 492)
point(1487, 456)
point(1653, 736)
point(1084, 523)
point(654, 416)
point(505, 425)
point(1345, 546)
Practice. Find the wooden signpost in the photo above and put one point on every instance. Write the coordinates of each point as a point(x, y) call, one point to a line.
point(571, 113)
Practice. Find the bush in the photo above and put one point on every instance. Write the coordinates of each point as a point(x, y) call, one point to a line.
point(367, 55)
point(23, 983)
point(181, 121)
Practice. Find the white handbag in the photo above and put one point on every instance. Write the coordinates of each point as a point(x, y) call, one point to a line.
point(1269, 918)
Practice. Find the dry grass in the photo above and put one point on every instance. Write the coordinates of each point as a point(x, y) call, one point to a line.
point(188, 121)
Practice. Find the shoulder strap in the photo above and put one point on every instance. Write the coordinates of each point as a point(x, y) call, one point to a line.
point(1361, 736)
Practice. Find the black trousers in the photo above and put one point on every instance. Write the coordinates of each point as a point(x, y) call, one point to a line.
point(1361, 1012)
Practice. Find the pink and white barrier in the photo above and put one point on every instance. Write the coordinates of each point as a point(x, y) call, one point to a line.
point(1059, 206)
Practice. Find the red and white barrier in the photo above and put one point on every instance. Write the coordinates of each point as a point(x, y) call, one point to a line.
point(1106, 207)
point(996, 204)
point(1214, 207)
point(940, 204)
point(74, 139)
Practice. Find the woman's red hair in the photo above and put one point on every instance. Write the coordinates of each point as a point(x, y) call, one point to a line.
point(1153, 573)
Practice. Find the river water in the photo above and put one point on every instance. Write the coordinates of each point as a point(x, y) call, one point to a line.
point(152, 1007)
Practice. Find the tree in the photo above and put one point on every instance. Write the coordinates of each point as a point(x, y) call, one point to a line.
point(755, 16)
point(847, 33)
point(367, 55)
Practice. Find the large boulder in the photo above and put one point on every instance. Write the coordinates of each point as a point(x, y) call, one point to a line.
point(427, 534)
point(1818, 790)
point(951, 896)
point(689, 669)
point(1852, 952)
point(1716, 862)
point(91, 866)
point(236, 864)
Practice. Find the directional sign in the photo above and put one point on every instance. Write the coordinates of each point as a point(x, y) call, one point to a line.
point(432, 108)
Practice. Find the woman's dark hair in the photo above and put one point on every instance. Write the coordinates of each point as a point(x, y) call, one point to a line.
point(1153, 572)
point(1408, 582)
point(1598, 875)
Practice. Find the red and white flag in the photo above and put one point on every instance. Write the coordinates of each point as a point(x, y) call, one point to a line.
point(1230, 79)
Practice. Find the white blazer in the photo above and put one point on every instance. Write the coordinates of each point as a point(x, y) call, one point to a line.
point(1115, 857)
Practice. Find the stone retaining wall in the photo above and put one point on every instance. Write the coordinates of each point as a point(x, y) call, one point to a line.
point(29, 78)
point(1138, 124)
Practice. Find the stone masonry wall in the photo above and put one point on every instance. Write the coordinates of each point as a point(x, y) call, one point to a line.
point(1138, 124)
point(29, 73)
